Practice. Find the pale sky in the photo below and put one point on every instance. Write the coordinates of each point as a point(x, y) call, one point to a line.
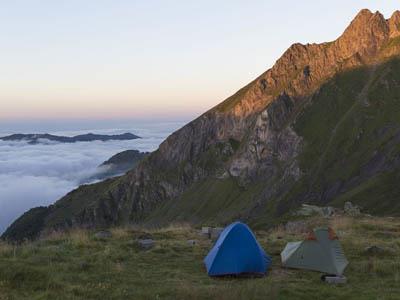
point(99, 59)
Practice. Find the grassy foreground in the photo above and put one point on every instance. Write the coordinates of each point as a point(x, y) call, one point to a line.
point(76, 265)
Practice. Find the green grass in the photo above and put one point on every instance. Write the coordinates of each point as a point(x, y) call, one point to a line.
point(75, 265)
point(212, 201)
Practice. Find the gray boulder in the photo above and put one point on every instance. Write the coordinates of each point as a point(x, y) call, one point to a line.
point(309, 210)
point(206, 231)
point(146, 244)
point(351, 210)
point(331, 279)
point(191, 242)
point(215, 232)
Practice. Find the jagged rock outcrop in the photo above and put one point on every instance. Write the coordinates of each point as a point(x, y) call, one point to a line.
point(253, 149)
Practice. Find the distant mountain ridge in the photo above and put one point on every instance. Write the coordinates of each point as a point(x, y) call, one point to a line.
point(89, 137)
point(321, 126)
point(118, 164)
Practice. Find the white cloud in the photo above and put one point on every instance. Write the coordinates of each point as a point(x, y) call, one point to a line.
point(34, 175)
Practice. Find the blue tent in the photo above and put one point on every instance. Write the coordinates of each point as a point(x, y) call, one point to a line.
point(237, 252)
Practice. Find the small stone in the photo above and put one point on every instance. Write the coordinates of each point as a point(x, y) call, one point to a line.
point(206, 231)
point(104, 234)
point(146, 244)
point(335, 279)
point(351, 210)
point(191, 242)
point(215, 232)
point(309, 210)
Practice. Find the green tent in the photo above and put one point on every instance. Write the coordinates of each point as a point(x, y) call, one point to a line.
point(321, 251)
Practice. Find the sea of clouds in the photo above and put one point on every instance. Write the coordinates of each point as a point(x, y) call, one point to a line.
point(38, 175)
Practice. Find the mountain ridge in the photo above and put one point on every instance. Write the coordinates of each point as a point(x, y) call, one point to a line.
point(117, 165)
point(260, 153)
point(35, 138)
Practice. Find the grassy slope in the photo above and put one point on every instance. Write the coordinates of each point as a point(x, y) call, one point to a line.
point(212, 201)
point(75, 265)
point(79, 199)
point(73, 204)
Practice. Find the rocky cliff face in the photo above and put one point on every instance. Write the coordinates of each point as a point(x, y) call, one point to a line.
point(253, 139)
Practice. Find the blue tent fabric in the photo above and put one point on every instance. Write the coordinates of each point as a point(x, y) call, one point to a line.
point(237, 252)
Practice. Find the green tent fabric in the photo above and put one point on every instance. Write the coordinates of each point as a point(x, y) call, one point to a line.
point(321, 251)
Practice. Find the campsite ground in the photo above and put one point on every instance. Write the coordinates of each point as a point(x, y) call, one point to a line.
point(76, 265)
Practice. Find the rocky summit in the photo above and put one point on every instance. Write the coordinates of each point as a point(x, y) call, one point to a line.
point(321, 127)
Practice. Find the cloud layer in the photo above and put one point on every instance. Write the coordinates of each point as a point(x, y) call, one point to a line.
point(34, 175)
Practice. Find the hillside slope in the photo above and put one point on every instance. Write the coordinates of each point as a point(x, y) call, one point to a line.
point(322, 125)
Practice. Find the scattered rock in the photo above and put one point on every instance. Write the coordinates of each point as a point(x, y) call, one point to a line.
point(351, 210)
point(210, 232)
point(104, 234)
point(296, 227)
point(146, 244)
point(205, 231)
point(215, 232)
point(309, 210)
point(333, 279)
point(191, 242)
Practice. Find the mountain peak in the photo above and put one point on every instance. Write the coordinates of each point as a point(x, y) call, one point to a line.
point(366, 20)
point(365, 35)
point(363, 13)
point(396, 14)
point(394, 24)
point(303, 67)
